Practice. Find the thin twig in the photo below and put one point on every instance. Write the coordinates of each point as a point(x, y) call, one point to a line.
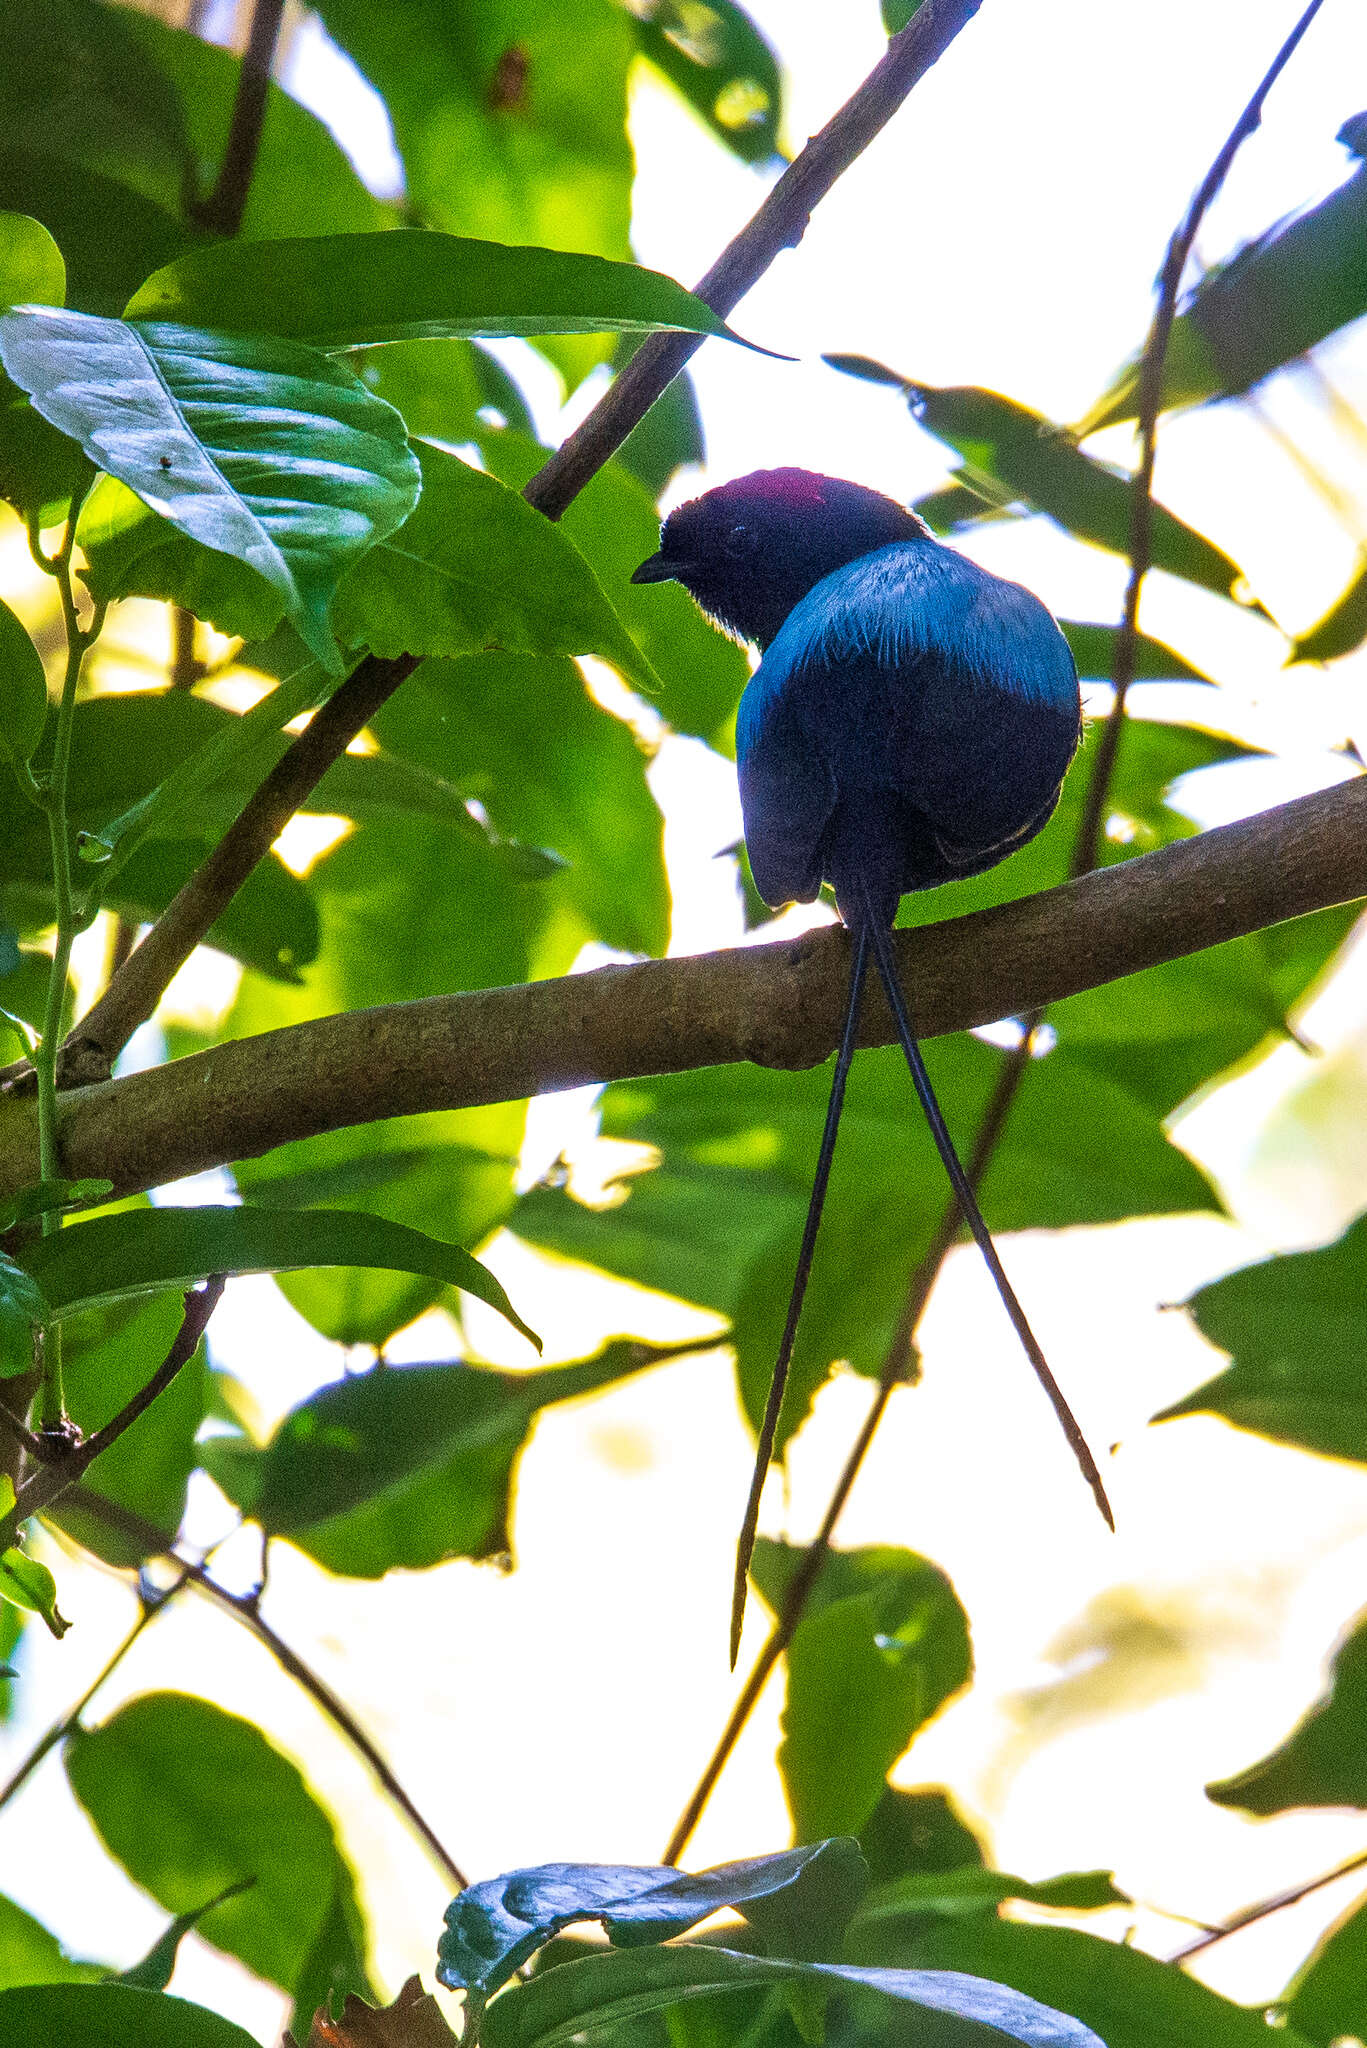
point(222, 211)
point(1208, 1936)
point(1150, 404)
point(62, 1467)
point(779, 1005)
point(244, 1608)
point(779, 224)
point(1086, 852)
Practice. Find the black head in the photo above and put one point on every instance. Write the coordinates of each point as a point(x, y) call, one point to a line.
point(749, 550)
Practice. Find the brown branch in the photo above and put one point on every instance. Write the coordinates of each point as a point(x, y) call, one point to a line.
point(779, 224)
point(222, 211)
point(1151, 369)
point(1279, 1901)
point(244, 1608)
point(1086, 854)
point(779, 1005)
point(63, 1465)
point(138, 986)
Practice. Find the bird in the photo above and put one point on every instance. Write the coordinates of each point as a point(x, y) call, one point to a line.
point(910, 723)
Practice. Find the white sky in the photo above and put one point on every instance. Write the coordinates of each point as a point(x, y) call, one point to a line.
point(1004, 230)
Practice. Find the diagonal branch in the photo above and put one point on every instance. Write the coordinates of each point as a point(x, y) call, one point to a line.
point(777, 1004)
point(780, 223)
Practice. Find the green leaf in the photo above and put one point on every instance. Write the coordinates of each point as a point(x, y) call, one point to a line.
point(897, 13)
point(78, 205)
point(208, 430)
point(1038, 462)
point(45, 1196)
point(23, 691)
point(917, 1830)
point(956, 2011)
point(1327, 1999)
point(1273, 301)
point(615, 524)
point(493, 1928)
point(1094, 652)
point(352, 291)
point(155, 1970)
point(31, 266)
point(716, 58)
point(1323, 1762)
point(1129, 1999)
point(476, 569)
point(142, 1250)
point(405, 1466)
point(1343, 627)
point(192, 1801)
point(882, 1645)
point(30, 1954)
point(23, 1581)
point(23, 1307)
point(108, 1355)
point(951, 1893)
point(1293, 1328)
point(99, 2015)
point(669, 437)
point(550, 768)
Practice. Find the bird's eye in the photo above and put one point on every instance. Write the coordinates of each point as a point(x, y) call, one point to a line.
point(738, 540)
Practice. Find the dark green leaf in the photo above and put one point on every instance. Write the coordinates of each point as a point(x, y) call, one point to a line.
point(952, 1893)
point(405, 1466)
point(1343, 627)
point(77, 205)
point(1323, 1762)
point(1093, 651)
point(1327, 1999)
point(882, 1645)
point(155, 1970)
point(955, 2010)
point(142, 1250)
point(1039, 463)
point(40, 469)
point(918, 1830)
point(108, 1355)
point(22, 1307)
point(29, 1954)
point(110, 2016)
point(44, 1196)
point(668, 438)
point(1293, 1328)
point(476, 569)
point(352, 291)
point(1273, 301)
point(550, 768)
point(717, 59)
point(192, 1801)
point(23, 691)
point(208, 429)
point(31, 266)
point(1130, 1999)
point(493, 1928)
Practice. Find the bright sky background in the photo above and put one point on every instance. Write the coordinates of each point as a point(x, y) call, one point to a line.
point(1004, 230)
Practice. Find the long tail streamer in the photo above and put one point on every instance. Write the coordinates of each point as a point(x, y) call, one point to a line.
point(764, 1451)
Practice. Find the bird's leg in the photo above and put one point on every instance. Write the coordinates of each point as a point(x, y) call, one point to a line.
point(881, 938)
point(768, 1428)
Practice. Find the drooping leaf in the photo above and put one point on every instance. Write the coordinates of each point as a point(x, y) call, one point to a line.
point(549, 768)
point(956, 2010)
point(476, 569)
point(97, 2015)
point(31, 266)
point(23, 692)
point(155, 1970)
point(30, 1954)
point(1293, 1328)
point(1323, 1762)
point(140, 1251)
point(715, 57)
point(882, 1644)
point(23, 1581)
point(191, 1801)
point(1272, 301)
point(494, 1927)
point(405, 1466)
point(352, 291)
point(209, 431)
point(1128, 1999)
point(1038, 462)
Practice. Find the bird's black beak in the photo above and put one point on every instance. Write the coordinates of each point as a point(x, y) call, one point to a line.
point(656, 570)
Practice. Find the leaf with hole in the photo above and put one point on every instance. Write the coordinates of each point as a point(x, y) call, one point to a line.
point(260, 449)
point(140, 1251)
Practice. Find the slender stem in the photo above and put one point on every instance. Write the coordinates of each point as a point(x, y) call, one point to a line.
point(222, 211)
point(243, 1607)
point(1209, 1936)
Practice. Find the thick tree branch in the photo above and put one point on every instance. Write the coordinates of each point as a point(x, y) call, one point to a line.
point(779, 224)
point(779, 1005)
point(222, 211)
